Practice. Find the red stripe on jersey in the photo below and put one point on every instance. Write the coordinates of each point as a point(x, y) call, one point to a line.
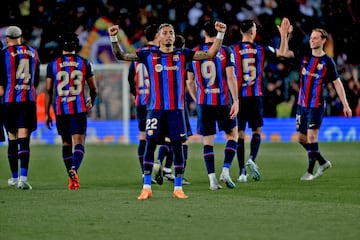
point(170, 80)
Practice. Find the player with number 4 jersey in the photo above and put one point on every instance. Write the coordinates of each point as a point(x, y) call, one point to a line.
point(19, 78)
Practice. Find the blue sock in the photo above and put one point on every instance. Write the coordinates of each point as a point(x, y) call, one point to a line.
point(230, 150)
point(78, 156)
point(13, 158)
point(24, 155)
point(209, 158)
point(178, 181)
point(149, 157)
point(312, 153)
point(240, 152)
point(67, 156)
point(147, 179)
point(178, 159)
point(163, 151)
point(185, 153)
point(255, 145)
point(141, 152)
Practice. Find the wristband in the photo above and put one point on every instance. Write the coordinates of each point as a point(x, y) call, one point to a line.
point(113, 38)
point(220, 35)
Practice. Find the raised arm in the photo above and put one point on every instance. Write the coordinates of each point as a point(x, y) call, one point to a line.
point(211, 53)
point(116, 48)
point(341, 92)
point(285, 30)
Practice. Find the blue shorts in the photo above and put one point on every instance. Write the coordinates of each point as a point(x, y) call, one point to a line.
point(309, 118)
point(250, 112)
point(166, 123)
point(70, 124)
point(20, 115)
point(209, 115)
point(141, 117)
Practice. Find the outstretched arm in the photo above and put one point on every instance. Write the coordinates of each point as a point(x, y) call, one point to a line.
point(211, 53)
point(116, 48)
point(285, 30)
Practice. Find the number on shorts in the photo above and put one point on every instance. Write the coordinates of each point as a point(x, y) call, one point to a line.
point(151, 123)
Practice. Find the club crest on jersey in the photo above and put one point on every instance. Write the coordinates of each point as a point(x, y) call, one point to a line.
point(150, 132)
point(320, 66)
point(158, 67)
point(176, 58)
point(220, 56)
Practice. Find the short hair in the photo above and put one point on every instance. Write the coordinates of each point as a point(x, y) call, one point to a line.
point(179, 41)
point(246, 25)
point(69, 41)
point(209, 28)
point(13, 32)
point(165, 25)
point(150, 32)
point(324, 33)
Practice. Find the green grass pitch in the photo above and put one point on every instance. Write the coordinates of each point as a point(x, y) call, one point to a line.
point(280, 206)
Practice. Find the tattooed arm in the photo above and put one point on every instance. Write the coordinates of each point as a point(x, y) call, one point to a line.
point(116, 48)
point(211, 53)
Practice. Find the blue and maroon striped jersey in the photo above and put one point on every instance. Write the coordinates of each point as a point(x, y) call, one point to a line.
point(315, 73)
point(69, 73)
point(139, 80)
point(139, 75)
point(250, 60)
point(211, 79)
point(20, 66)
point(166, 77)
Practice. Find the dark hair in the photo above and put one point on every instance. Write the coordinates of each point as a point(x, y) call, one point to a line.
point(1, 45)
point(150, 32)
point(69, 41)
point(179, 41)
point(209, 28)
point(246, 25)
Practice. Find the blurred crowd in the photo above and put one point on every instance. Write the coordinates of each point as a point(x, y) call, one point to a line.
point(43, 20)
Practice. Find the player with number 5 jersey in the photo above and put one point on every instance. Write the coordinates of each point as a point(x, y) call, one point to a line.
point(250, 60)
